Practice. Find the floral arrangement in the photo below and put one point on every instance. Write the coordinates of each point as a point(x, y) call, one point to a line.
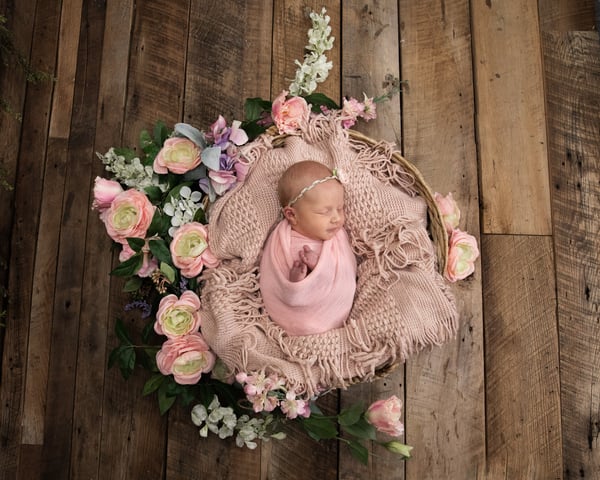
point(155, 208)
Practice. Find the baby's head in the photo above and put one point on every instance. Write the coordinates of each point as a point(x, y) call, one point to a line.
point(312, 199)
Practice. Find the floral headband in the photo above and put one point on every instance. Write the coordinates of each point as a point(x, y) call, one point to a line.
point(335, 175)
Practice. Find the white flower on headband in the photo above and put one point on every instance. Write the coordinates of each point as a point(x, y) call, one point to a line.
point(339, 174)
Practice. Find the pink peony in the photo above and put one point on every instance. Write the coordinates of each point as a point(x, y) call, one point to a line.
point(178, 316)
point(448, 209)
point(462, 253)
point(385, 416)
point(178, 155)
point(189, 249)
point(105, 191)
point(290, 115)
point(129, 216)
point(186, 357)
point(149, 263)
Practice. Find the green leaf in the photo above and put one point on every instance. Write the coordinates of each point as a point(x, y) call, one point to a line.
point(129, 266)
point(318, 99)
point(254, 107)
point(319, 427)
point(159, 225)
point(253, 129)
point(361, 429)
point(136, 244)
point(146, 141)
point(153, 383)
point(161, 133)
point(165, 402)
point(160, 250)
point(114, 356)
point(351, 415)
point(121, 332)
point(169, 271)
point(174, 192)
point(127, 361)
point(153, 193)
point(128, 153)
point(359, 451)
point(133, 284)
point(200, 216)
point(147, 331)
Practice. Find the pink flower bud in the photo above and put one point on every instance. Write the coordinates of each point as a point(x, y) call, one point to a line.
point(105, 192)
point(385, 416)
point(449, 210)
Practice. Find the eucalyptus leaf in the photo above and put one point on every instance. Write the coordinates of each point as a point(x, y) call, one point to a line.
point(195, 174)
point(211, 157)
point(191, 133)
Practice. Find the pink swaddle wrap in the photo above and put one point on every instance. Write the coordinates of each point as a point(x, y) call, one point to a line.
point(321, 301)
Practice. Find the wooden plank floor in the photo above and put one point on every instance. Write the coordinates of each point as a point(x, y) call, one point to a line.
point(502, 108)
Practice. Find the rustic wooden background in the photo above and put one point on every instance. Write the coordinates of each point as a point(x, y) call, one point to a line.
point(502, 109)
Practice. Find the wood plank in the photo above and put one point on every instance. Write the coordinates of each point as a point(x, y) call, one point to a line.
point(572, 68)
point(566, 15)
point(444, 386)
point(369, 27)
point(87, 130)
point(57, 386)
point(244, 33)
point(155, 86)
point(27, 204)
point(510, 118)
point(521, 345)
point(20, 21)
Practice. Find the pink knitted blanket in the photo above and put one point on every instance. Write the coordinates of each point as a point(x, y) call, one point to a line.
point(401, 305)
point(319, 302)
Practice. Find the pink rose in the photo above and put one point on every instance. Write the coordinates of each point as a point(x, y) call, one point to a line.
point(290, 115)
point(189, 249)
point(462, 253)
point(178, 316)
point(448, 209)
point(129, 216)
point(105, 192)
point(385, 416)
point(149, 263)
point(178, 155)
point(186, 357)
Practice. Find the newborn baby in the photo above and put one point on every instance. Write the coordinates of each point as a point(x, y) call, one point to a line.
point(308, 269)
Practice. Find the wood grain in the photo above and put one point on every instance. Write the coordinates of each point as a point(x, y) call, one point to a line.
point(444, 386)
point(372, 27)
point(566, 15)
point(572, 67)
point(510, 118)
point(521, 345)
point(20, 215)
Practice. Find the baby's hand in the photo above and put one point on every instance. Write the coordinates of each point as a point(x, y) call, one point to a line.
point(298, 271)
point(308, 257)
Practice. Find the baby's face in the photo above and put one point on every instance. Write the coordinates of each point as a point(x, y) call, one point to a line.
point(319, 214)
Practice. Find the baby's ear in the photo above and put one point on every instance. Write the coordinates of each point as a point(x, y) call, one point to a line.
point(290, 214)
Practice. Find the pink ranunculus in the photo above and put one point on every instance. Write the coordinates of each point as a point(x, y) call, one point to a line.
point(448, 209)
point(462, 253)
point(129, 216)
point(189, 249)
point(178, 316)
point(290, 115)
point(149, 263)
point(222, 180)
point(186, 357)
point(105, 191)
point(385, 416)
point(178, 155)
